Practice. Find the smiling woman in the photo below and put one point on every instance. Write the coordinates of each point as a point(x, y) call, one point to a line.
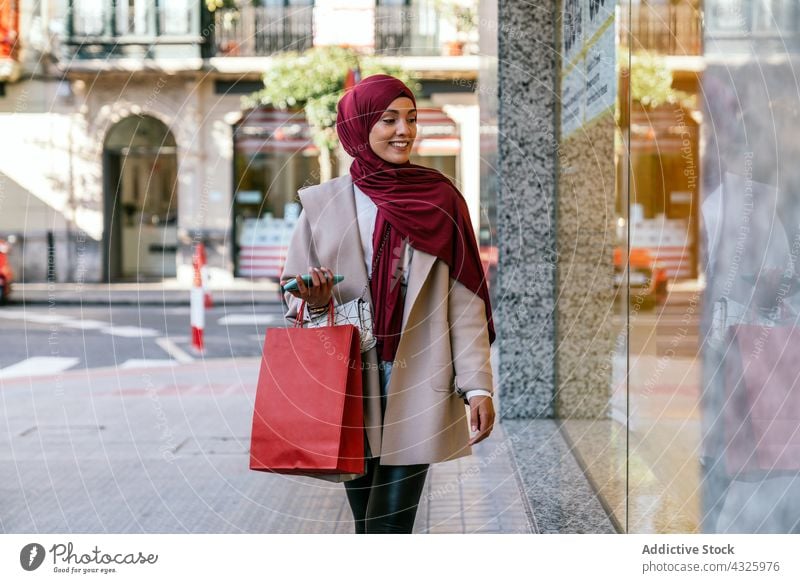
point(394, 134)
point(430, 303)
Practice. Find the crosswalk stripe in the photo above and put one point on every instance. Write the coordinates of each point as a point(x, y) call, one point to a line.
point(85, 324)
point(36, 318)
point(37, 366)
point(169, 346)
point(146, 363)
point(130, 331)
point(103, 327)
point(246, 319)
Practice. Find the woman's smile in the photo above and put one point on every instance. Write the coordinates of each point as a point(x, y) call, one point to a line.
point(392, 136)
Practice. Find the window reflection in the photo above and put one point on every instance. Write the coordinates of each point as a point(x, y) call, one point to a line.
point(751, 374)
point(714, 375)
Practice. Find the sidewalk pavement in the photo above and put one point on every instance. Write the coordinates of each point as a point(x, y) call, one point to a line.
point(165, 450)
point(168, 292)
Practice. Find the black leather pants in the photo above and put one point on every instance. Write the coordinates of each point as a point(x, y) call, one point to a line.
point(385, 500)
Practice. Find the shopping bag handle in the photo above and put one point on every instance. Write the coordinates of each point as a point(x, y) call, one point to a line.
point(298, 319)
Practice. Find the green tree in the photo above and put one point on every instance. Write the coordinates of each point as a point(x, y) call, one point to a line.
point(651, 82)
point(314, 81)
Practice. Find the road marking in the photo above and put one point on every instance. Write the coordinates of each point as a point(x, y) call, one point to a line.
point(12, 314)
point(103, 327)
point(86, 324)
point(147, 363)
point(246, 319)
point(130, 331)
point(172, 349)
point(34, 318)
point(38, 366)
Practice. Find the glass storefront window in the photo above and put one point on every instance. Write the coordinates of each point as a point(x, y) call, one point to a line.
point(702, 428)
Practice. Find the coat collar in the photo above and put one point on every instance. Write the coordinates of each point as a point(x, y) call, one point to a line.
point(336, 205)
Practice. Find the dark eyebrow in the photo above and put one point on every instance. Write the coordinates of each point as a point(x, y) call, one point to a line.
point(395, 111)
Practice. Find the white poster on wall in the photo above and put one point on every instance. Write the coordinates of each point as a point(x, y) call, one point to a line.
point(588, 62)
point(573, 99)
point(596, 15)
point(572, 37)
point(601, 75)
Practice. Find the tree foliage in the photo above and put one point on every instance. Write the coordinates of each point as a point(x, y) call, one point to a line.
point(314, 80)
point(651, 82)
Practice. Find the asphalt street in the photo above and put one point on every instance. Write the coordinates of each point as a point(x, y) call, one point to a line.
point(42, 339)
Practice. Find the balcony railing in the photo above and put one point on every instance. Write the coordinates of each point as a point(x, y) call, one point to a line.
point(254, 31)
point(400, 28)
point(407, 29)
point(771, 26)
point(103, 28)
point(668, 29)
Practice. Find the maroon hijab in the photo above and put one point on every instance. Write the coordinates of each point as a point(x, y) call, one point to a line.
point(415, 203)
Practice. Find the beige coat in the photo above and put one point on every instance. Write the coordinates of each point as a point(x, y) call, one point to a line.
point(444, 345)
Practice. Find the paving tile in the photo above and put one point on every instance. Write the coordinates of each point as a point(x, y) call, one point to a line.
point(144, 462)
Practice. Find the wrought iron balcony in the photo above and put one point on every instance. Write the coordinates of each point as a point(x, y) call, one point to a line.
point(403, 27)
point(749, 24)
point(257, 31)
point(663, 27)
point(141, 28)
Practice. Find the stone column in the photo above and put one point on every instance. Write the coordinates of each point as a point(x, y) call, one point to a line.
point(526, 207)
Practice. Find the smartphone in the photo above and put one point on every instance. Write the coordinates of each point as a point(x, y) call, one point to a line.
point(292, 284)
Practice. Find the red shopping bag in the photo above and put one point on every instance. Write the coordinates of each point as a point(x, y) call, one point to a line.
point(762, 409)
point(309, 416)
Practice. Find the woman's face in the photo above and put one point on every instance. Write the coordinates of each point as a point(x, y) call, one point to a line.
point(393, 134)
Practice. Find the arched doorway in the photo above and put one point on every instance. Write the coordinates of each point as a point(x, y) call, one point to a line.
point(140, 171)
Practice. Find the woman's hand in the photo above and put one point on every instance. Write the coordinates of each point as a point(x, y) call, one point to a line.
point(481, 417)
point(318, 294)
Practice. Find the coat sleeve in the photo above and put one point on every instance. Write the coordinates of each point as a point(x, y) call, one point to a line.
point(469, 338)
point(299, 256)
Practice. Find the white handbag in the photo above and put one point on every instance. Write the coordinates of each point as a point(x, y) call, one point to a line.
point(357, 312)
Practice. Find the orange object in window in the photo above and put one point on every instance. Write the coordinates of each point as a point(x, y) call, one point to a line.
point(9, 28)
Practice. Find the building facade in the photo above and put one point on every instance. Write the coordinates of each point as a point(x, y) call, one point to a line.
point(631, 162)
point(132, 143)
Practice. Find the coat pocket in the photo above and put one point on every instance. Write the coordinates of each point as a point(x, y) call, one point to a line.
point(442, 377)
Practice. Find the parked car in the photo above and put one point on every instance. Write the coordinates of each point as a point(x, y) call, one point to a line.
point(6, 275)
point(648, 280)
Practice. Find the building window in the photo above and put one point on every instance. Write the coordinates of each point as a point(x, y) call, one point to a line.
point(274, 156)
point(142, 18)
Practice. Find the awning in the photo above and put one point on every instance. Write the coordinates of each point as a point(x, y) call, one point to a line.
point(262, 131)
point(266, 130)
point(437, 134)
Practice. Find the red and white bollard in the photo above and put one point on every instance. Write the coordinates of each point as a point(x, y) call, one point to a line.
point(200, 255)
point(197, 308)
